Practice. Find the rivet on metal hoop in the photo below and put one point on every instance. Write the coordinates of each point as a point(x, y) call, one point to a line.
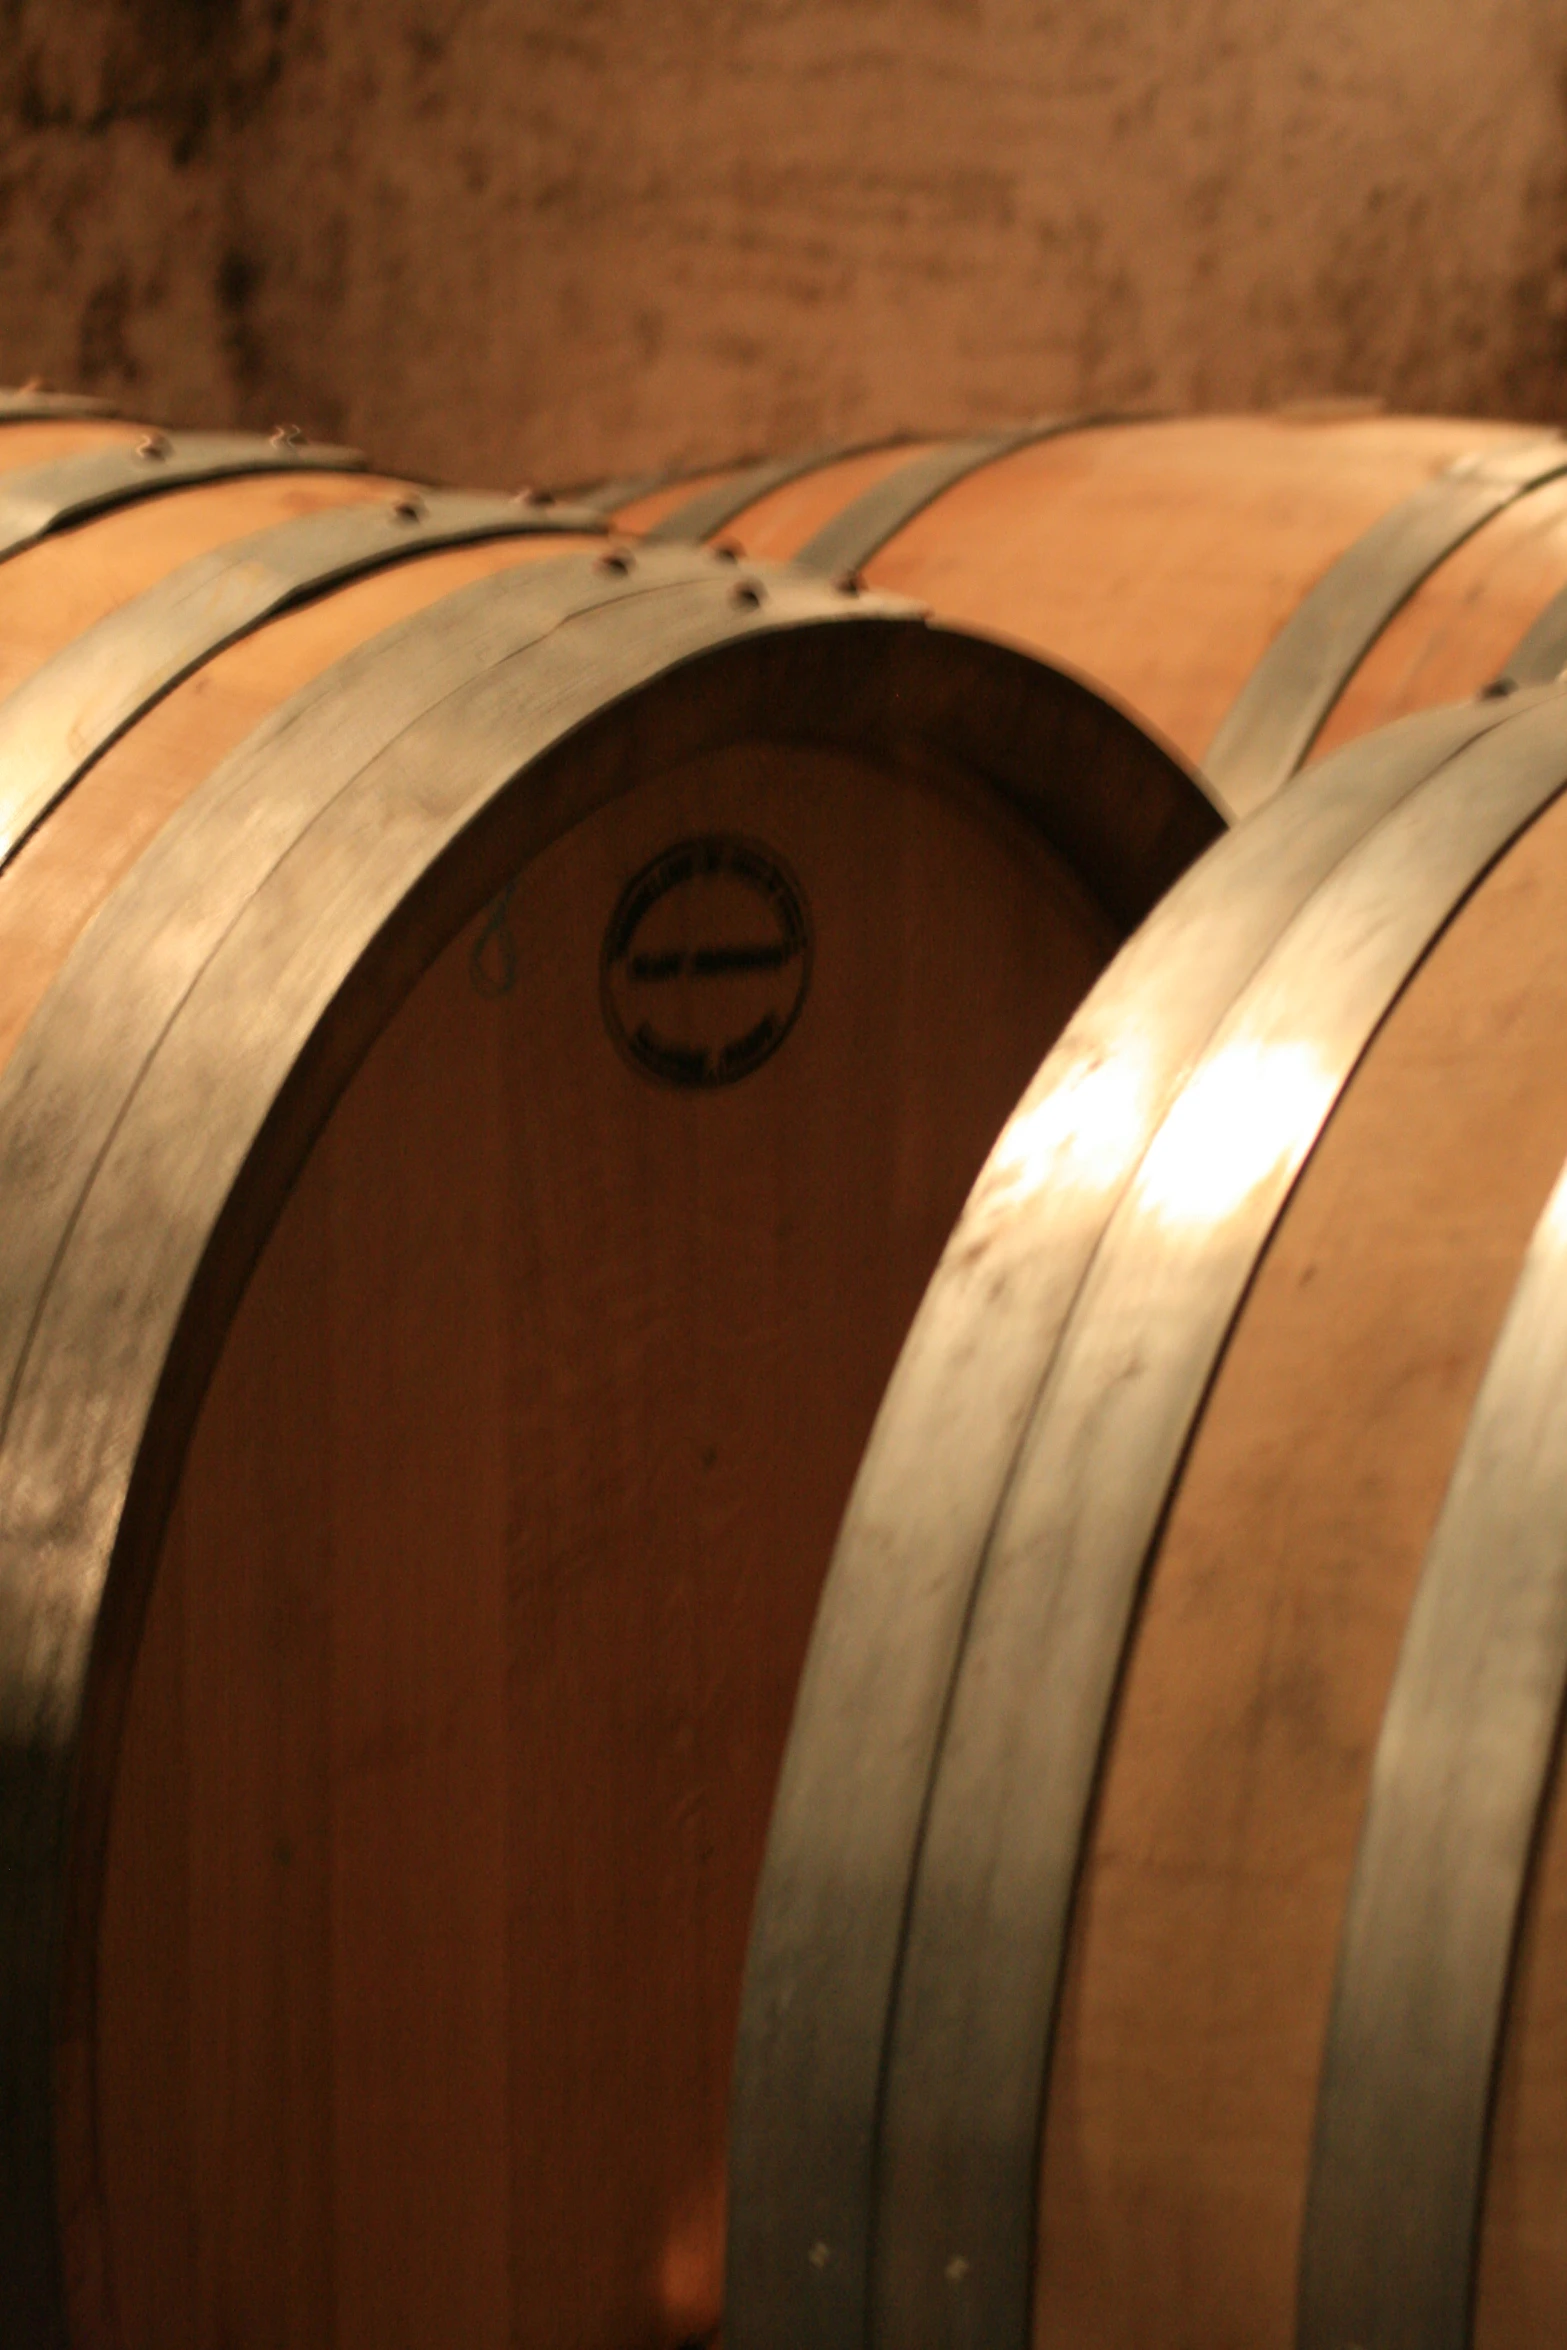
point(154, 444)
point(528, 496)
point(849, 583)
point(410, 507)
point(725, 551)
point(747, 592)
point(618, 559)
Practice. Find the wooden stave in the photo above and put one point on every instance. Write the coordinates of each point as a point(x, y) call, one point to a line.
point(1008, 696)
point(938, 551)
point(1379, 2299)
point(843, 547)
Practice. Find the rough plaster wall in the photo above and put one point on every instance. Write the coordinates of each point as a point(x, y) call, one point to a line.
point(519, 239)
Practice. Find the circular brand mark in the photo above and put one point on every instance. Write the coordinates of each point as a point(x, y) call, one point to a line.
point(706, 961)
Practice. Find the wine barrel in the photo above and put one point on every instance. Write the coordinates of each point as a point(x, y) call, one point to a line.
point(1184, 1708)
point(1256, 588)
point(494, 1029)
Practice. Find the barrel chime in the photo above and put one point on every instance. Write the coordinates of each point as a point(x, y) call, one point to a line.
point(502, 1002)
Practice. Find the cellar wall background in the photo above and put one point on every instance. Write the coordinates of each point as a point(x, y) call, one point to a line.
point(508, 240)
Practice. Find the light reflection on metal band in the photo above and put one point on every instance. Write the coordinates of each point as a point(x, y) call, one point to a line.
point(987, 1930)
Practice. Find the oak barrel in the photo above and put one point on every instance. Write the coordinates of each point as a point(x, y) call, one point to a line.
point(1184, 1705)
point(494, 1029)
point(1257, 588)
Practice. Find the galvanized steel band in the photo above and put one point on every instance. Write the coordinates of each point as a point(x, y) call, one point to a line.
point(1459, 1781)
point(39, 499)
point(1270, 727)
point(710, 509)
point(865, 526)
point(56, 724)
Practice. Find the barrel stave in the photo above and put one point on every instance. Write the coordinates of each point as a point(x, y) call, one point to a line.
point(1164, 557)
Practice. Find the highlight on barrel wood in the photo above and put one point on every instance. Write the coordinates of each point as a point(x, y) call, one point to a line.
point(1184, 1699)
point(494, 1029)
point(1257, 588)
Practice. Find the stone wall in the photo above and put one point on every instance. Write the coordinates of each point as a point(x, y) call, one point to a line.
point(540, 239)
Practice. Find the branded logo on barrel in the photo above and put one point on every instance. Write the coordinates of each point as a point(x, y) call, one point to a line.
point(706, 961)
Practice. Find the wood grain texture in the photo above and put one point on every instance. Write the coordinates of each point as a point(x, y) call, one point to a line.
point(24, 445)
point(1206, 1931)
point(477, 1691)
point(1161, 559)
